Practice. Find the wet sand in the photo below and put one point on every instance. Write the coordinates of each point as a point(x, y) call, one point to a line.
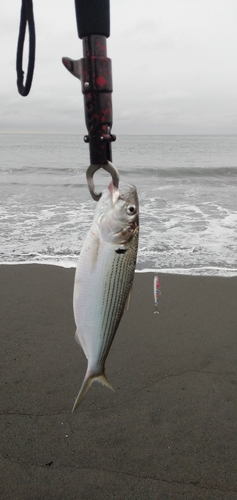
point(168, 432)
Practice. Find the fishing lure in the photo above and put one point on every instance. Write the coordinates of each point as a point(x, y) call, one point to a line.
point(157, 292)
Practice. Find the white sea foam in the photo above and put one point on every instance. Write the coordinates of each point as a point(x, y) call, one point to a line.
point(188, 205)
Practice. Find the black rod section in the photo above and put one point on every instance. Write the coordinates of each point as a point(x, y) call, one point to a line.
point(93, 17)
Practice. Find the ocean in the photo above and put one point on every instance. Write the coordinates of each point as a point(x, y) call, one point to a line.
point(187, 187)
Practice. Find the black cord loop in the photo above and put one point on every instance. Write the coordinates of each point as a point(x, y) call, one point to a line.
point(27, 16)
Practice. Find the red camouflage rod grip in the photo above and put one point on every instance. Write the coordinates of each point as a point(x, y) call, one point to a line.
point(93, 24)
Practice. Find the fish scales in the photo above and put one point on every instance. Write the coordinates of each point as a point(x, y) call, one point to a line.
point(104, 277)
point(115, 298)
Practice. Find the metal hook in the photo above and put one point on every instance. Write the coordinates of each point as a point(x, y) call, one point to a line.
point(109, 167)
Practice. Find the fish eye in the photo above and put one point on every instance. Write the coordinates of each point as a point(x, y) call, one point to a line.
point(131, 209)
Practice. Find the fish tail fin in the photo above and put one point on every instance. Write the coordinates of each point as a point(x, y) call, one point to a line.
point(103, 380)
point(88, 380)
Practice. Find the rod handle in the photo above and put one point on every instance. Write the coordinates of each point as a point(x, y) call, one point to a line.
point(93, 17)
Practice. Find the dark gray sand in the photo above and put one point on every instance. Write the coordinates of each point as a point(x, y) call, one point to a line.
point(168, 432)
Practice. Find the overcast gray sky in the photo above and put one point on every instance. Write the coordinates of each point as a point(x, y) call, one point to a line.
point(174, 68)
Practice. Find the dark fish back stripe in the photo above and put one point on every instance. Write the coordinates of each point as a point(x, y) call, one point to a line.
point(116, 292)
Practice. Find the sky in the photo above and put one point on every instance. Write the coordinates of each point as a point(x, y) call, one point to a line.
point(174, 68)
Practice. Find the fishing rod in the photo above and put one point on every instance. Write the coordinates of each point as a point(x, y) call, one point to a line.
point(95, 72)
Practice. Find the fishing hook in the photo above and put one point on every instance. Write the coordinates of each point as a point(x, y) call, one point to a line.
point(109, 167)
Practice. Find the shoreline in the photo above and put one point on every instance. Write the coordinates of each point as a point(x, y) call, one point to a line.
point(168, 430)
point(211, 271)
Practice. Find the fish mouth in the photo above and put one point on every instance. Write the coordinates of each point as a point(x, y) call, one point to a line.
point(124, 191)
point(127, 191)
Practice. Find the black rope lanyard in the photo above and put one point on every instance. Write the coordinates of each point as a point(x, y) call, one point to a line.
point(27, 16)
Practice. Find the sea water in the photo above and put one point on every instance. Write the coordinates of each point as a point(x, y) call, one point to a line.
point(187, 187)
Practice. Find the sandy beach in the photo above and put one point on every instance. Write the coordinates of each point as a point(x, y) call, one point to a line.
point(168, 432)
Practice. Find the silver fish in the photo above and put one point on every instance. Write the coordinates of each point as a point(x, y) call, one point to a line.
point(104, 277)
